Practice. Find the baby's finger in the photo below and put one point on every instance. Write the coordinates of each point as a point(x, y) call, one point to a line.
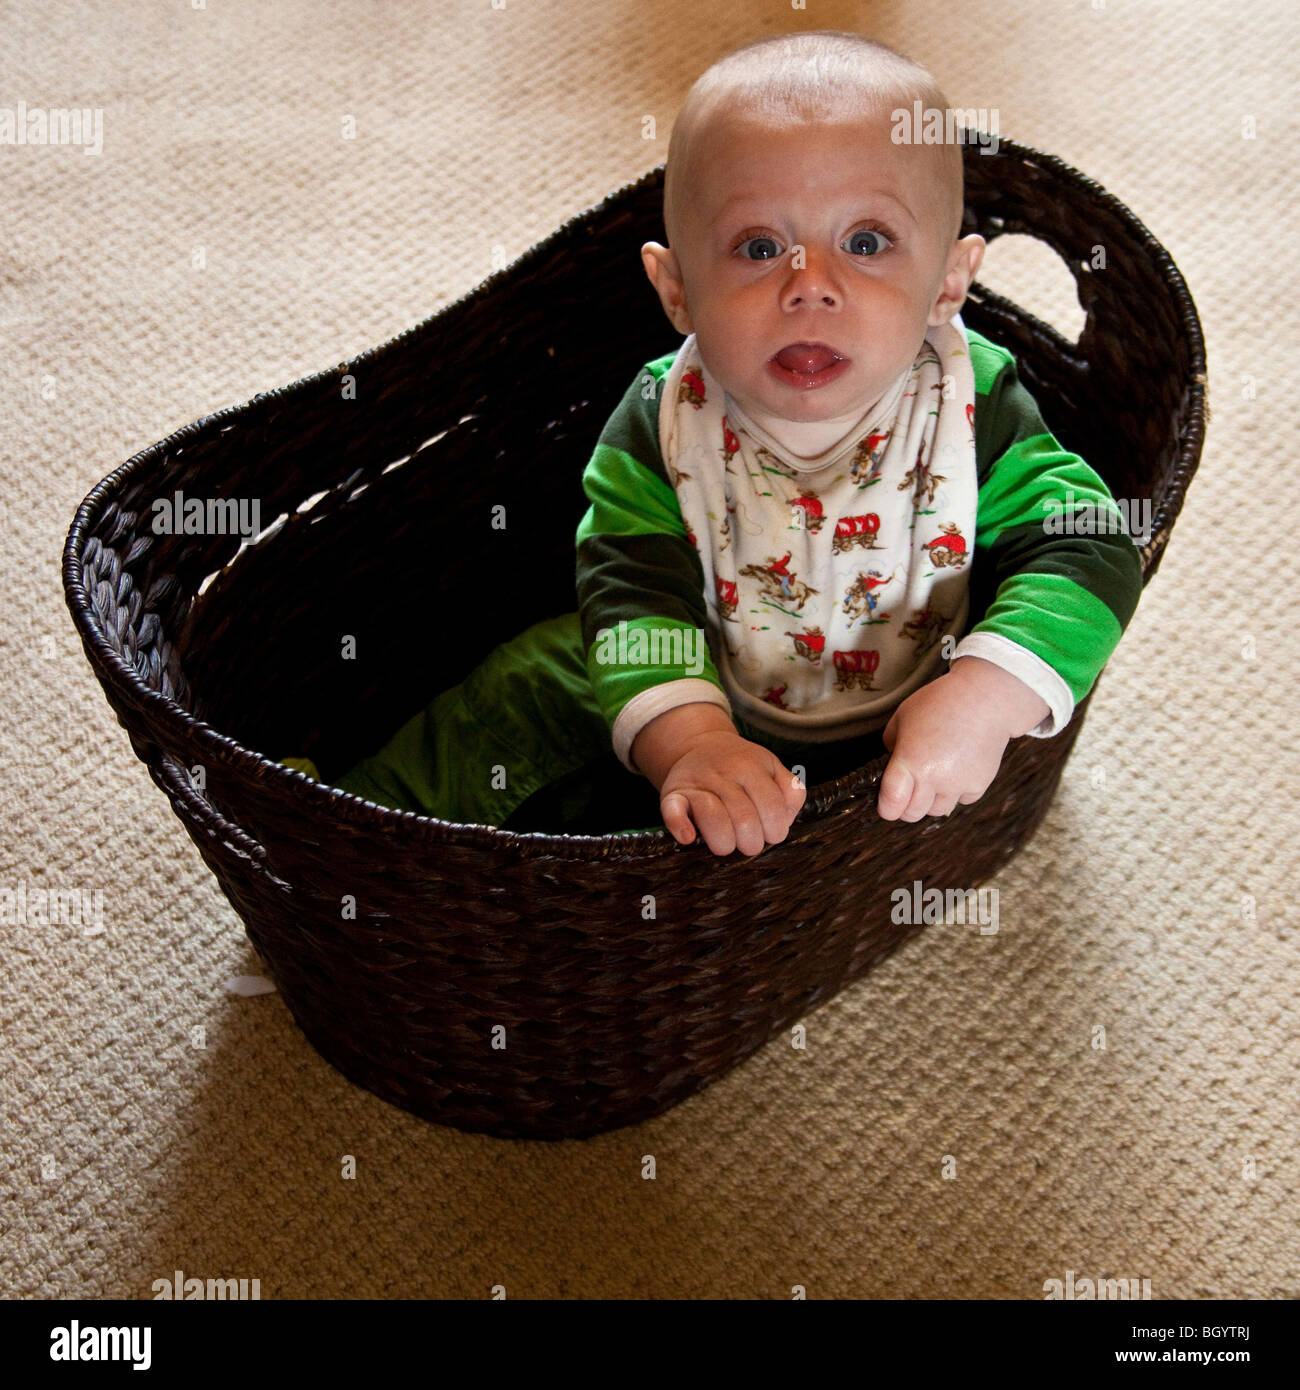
point(794, 789)
point(896, 788)
point(769, 794)
point(747, 832)
point(673, 808)
point(714, 818)
point(942, 805)
point(922, 798)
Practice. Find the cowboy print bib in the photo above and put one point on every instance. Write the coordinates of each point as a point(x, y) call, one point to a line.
point(830, 582)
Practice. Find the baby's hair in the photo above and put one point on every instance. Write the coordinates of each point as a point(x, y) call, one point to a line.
point(814, 74)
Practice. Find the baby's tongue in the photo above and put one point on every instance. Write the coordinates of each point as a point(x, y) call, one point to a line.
point(801, 357)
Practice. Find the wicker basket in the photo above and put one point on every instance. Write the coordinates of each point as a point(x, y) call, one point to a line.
point(610, 1015)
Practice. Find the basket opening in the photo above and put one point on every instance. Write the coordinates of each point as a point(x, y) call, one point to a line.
point(386, 578)
point(1025, 269)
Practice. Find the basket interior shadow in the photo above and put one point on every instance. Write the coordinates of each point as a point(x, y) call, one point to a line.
point(384, 574)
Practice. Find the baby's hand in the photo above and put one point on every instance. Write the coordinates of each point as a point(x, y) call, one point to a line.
point(948, 738)
point(740, 794)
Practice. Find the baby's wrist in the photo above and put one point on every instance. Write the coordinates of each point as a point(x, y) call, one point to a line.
point(1002, 697)
point(668, 736)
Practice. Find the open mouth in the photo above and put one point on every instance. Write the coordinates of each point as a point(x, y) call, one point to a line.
point(807, 358)
point(807, 364)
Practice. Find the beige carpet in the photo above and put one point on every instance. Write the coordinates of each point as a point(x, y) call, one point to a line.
point(129, 1152)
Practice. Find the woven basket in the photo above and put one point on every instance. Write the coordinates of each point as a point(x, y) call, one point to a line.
point(215, 669)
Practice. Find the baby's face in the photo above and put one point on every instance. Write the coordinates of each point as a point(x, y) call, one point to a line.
point(811, 233)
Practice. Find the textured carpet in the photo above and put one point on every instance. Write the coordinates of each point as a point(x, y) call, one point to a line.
point(952, 1129)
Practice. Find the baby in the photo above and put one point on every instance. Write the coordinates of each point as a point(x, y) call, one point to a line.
point(813, 476)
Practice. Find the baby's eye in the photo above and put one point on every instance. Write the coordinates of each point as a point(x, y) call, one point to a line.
point(868, 241)
point(761, 240)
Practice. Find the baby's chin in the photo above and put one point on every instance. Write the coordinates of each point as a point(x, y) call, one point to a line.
point(842, 399)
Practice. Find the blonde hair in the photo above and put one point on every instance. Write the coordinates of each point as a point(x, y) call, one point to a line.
point(817, 74)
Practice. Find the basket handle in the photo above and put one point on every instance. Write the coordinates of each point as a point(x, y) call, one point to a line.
point(169, 773)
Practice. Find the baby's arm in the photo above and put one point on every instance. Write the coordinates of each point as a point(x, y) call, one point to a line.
point(1060, 602)
point(740, 794)
point(637, 568)
point(948, 737)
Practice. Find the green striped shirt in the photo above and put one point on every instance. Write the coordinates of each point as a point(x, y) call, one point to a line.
point(1064, 598)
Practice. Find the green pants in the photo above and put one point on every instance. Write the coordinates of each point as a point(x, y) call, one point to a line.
point(522, 744)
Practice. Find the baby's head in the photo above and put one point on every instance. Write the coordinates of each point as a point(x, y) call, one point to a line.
point(794, 218)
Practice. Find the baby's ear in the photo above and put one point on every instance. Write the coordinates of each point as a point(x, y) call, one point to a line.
point(963, 265)
point(665, 274)
point(972, 248)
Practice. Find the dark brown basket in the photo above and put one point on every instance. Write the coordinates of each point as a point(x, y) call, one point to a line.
point(216, 668)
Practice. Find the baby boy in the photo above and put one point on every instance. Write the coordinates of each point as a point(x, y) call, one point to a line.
point(813, 476)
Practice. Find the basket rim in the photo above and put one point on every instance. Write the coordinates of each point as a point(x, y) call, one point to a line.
point(184, 730)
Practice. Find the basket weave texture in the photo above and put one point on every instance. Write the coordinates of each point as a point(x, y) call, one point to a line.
point(627, 972)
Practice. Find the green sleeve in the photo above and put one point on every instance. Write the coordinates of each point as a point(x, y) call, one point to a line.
point(635, 564)
point(1065, 598)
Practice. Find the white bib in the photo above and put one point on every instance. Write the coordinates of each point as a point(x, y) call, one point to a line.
point(831, 581)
